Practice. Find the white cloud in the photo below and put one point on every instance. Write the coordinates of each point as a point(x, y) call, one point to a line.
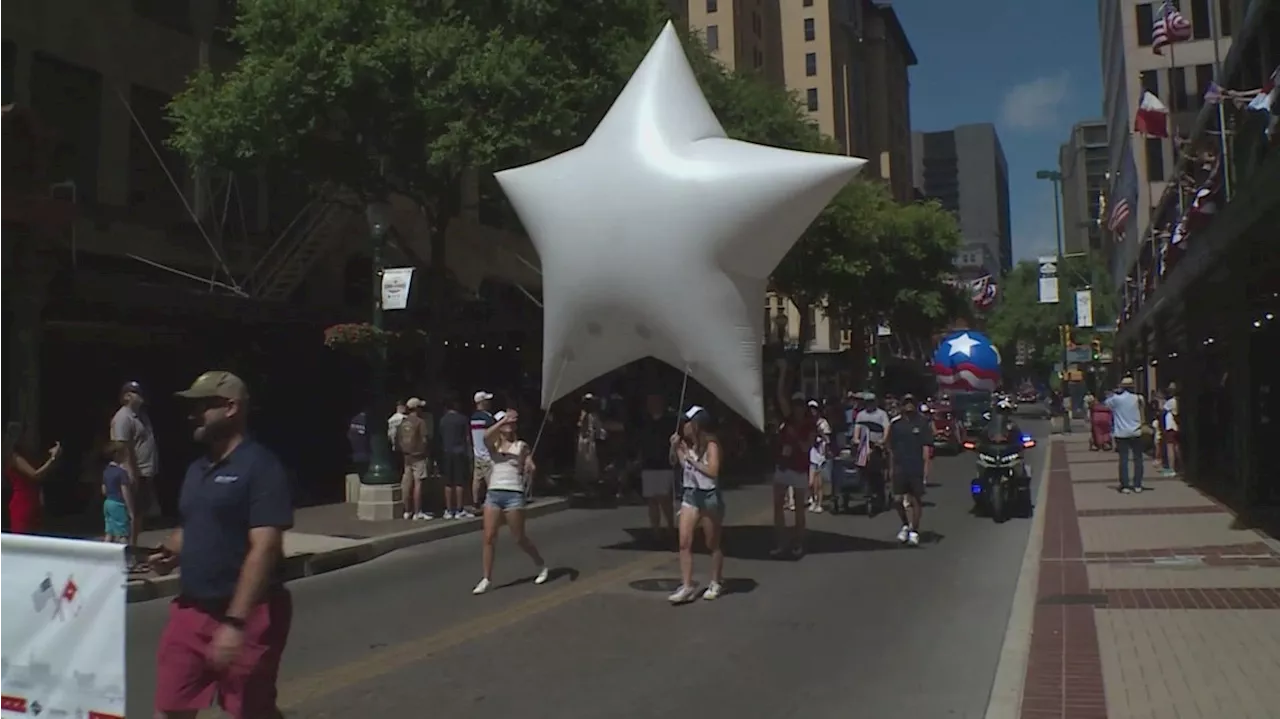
point(1033, 105)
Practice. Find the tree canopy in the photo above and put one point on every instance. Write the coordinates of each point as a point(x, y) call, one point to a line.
point(403, 96)
point(1020, 317)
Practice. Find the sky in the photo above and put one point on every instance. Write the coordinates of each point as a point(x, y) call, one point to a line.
point(1032, 67)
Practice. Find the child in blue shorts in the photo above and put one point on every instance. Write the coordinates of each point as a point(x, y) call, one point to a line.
point(117, 507)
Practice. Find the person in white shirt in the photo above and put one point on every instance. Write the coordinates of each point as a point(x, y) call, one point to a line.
point(510, 471)
point(817, 455)
point(1170, 431)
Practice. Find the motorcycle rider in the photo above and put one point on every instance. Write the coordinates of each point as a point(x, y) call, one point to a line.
point(1001, 422)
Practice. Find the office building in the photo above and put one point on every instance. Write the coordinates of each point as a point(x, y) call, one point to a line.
point(1082, 161)
point(1179, 77)
point(744, 35)
point(965, 170)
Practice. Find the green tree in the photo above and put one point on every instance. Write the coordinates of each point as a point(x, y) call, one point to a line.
point(1020, 317)
point(405, 96)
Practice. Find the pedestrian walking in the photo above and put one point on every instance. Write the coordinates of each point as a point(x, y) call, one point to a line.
point(504, 502)
point(1127, 430)
point(229, 624)
point(795, 436)
point(657, 479)
point(910, 443)
point(696, 451)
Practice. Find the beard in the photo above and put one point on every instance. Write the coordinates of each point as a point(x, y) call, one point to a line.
point(214, 430)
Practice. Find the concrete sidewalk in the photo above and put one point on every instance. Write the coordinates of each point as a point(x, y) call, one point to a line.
point(329, 537)
point(1149, 605)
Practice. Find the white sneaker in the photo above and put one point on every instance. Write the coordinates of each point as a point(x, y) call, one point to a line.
point(683, 593)
point(815, 508)
point(423, 515)
point(450, 514)
point(543, 575)
point(913, 538)
point(1137, 490)
point(464, 514)
point(714, 590)
point(482, 587)
point(408, 515)
point(904, 533)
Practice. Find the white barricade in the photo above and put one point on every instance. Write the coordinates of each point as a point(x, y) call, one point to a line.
point(62, 628)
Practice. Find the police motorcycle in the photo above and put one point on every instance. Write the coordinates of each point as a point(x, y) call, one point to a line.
point(1003, 485)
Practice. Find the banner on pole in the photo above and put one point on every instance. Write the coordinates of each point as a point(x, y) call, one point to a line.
point(1084, 308)
point(1048, 280)
point(63, 644)
point(396, 282)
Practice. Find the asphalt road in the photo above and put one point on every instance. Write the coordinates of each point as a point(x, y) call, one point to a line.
point(859, 627)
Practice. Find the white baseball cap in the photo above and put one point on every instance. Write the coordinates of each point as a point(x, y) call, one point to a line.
point(813, 403)
point(481, 396)
point(498, 417)
point(414, 403)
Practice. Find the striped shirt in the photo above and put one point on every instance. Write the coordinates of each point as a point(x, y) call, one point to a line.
point(480, 422)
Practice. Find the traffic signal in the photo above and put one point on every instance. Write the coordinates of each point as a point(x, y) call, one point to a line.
point(1096, 344)
point(1065, 331)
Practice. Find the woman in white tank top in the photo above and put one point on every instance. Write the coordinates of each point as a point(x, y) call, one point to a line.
point(504, 501)
point(697, 452)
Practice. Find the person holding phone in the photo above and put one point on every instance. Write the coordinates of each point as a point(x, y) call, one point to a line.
point(24, 480)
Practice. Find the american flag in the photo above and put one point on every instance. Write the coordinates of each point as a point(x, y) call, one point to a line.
point(1169, 27)
point(1123, 196)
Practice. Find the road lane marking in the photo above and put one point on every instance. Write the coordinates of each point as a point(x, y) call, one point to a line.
point(377, 663)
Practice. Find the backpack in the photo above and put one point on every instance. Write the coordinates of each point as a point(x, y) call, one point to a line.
point(411, 436)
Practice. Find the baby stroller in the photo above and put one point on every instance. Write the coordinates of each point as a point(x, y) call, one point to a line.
point(1100, 427)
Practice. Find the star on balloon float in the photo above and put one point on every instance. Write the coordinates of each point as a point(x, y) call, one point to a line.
point(657, 236)
point(963, 345)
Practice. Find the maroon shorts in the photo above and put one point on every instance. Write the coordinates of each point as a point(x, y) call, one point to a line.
point(185, 681)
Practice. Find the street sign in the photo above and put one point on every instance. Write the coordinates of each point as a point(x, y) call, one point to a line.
point(1106, 357)
point(1079, 355)
point(1048, 280)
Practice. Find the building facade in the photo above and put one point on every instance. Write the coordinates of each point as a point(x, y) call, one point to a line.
point(1179, 77)
point(1083, 163)
point(965, 170)
point(744, 35)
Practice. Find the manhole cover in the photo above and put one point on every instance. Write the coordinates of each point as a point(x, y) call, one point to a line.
point(656, 585)
point(1097, 600)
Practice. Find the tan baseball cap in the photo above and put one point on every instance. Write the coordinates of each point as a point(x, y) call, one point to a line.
point(216, 383)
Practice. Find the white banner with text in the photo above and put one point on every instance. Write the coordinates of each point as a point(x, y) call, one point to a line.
point(63, 645)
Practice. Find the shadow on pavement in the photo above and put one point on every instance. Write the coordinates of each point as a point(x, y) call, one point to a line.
point(556, 574)
point(731, 585)
point(755, 542)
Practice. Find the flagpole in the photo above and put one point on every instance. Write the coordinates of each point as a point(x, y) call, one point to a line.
point(1224, 147)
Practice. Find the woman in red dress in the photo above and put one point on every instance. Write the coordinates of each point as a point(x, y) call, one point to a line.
point(24, 481)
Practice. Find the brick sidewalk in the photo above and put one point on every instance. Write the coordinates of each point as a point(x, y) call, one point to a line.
point(1152, 605)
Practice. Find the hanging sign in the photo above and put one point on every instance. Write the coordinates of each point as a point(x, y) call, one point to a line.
point(1048, 280)
point(64, 628)
point(1084, 308)
point(396, 282)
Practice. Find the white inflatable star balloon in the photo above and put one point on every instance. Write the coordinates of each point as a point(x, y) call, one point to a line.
point(657, 236)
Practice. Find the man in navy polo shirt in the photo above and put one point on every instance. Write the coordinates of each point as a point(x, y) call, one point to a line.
point(228, 626)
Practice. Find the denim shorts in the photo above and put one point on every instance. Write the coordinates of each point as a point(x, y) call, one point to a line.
point(504, 499)
point(703, 500)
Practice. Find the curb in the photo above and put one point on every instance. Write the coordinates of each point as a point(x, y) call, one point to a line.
point(309, 565)
point(1005, 701)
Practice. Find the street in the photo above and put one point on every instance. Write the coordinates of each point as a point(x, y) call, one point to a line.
point(859, 624)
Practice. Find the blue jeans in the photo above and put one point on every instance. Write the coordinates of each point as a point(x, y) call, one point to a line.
point(1130, 449)
point(504, 499)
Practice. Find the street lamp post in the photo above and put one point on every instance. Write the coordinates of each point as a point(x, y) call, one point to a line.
point(1056, 178)
point(380, 472)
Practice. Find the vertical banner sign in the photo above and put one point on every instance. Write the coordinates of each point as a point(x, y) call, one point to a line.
point(1048, 280)
point(64, 628)
point(395, 287)
point(1084, 308)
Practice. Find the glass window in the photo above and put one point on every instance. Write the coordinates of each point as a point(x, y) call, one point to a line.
point(173, 15)
point(713, 37)
point(1155, 159)
point(1204, 77)
point(1199, 19)
point(1150, 81)
point(811, 99)
point(809, 32)
point(1145, 19)
point(811, 63)
point(1224, 16)
point(712, 5)
point(808, 3)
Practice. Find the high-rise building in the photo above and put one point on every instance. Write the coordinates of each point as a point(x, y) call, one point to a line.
point(1179, 77)
point(1082, 162)
point(848, 60)
point(744, 35)
point(965, 170)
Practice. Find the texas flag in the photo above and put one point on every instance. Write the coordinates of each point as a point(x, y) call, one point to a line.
point(1153, 117)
